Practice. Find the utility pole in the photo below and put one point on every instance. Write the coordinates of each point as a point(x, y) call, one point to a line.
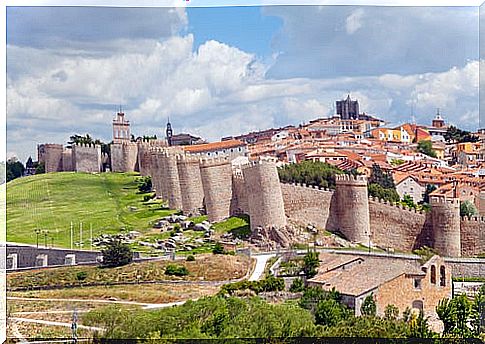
point(91, 235)
point(81, 234)
point(71, 236)
point(45, 238)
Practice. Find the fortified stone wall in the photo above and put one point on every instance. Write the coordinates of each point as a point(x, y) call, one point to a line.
point(156, 171)
point(398, 227)
point(239, 201)
point(216, 178)
point(353, 207)
point(144, 157)
point(265, 199)
point(445, 213)
point(86, 158)
point(190, 181)
point(169, 163)
point(123, 156)
point(472, 236)
point(481, 203)
point(67, 160)
point(51, 155)
point(310, 205)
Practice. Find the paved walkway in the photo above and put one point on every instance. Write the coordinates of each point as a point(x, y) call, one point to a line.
point(261, 261)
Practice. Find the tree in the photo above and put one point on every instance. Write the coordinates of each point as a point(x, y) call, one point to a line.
point(408, 201)
point(377, 191)
point(40, 168)
point(116, 253)
point(310, 264)
point(311, 297)
point(311, 173)
point(418, 326)
point(329, 312)
point(447, 314)
point(15, 169)
point(467, 208)
point(426, 147)
point(297, 285)
point(453, 134)
point(391, 312)
point(478, 311)
point(463, 311)
point(429, 189)
point(384, 179)
point(369, 307)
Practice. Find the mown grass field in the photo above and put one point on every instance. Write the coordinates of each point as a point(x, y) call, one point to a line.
point(106, 202)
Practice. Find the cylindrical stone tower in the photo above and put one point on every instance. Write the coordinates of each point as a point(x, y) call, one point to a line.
point(265, 199)
point(353, 207)
point(216, 177)
point(445, 214)
point(190, 184)
point(171, 176)
point(155, 171)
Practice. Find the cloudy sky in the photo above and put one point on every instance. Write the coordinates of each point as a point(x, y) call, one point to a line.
point(224, 71)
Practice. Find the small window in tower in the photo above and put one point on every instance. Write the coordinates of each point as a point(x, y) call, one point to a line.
point(417, 283)
point(433, 274)
point(442, 276)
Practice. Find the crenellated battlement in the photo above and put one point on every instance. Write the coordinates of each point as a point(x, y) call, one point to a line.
point(212, 162)
point(87, 145)
point(186, 159)
point(442, 200)
point(473, 218)
point(349, 179)
point(312, 187)
point(396, 205)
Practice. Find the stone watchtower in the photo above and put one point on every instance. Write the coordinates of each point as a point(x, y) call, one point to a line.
point(445, 214)
point(265, 199)
point(169, 165)
point(216, 177)
point(190, 184)
point(353, 207)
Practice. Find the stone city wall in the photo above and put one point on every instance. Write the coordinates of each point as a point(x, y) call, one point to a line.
point(86, 158)
point(123, 156)
point(310, 205)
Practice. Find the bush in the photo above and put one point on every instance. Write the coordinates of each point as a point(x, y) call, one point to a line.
point(176, 270)
point(145, 184)
point(190, 258)
point(218, 249)
point(369, 306)
point(116, 254)
point(297, 285)
point(310, 264)
point(81, 275)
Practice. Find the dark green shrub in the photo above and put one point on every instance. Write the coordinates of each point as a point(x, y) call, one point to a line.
point(190, 258)
point(81, 275)
point(176, 270)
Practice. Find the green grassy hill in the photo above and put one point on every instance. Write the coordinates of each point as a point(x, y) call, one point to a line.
point(107, 202)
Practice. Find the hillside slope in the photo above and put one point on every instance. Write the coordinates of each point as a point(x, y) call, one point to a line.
point(105, 202)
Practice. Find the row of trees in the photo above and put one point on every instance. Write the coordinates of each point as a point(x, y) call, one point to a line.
point(311, 173)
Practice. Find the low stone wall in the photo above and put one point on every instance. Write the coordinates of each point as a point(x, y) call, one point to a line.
point(28, 256)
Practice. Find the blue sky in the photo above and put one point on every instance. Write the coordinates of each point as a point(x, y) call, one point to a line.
point(224, 71)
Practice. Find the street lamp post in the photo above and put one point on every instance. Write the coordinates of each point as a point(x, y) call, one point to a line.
point(37, 232)
point(45, 238)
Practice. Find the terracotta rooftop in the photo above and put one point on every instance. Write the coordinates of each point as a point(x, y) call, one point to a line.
point(213, 146)
point(339, 271)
